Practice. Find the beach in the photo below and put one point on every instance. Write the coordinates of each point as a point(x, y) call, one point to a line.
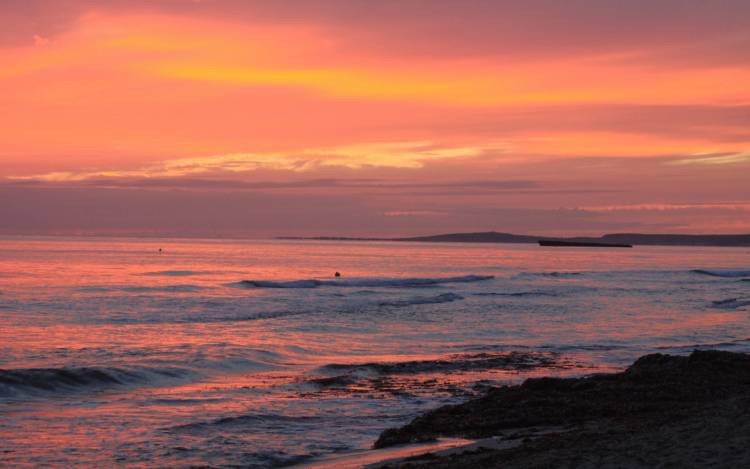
point(356, 234)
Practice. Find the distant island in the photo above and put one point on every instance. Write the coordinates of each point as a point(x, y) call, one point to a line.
point(724, 240)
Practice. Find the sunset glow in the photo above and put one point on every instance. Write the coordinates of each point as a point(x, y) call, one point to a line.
point(374, 233)
point(259, 92)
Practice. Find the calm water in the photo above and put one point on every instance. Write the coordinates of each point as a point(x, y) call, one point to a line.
point(113, 353)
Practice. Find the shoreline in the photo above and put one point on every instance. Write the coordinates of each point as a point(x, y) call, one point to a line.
point(662, 411)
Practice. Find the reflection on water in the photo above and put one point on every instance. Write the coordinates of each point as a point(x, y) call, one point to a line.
point(252, 353)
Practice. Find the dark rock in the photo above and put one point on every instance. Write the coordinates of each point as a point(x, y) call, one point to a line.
point(655, 386)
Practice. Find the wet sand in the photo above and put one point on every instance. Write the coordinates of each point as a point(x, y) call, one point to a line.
point(377, 458)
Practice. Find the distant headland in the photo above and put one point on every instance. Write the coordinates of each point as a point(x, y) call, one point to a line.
point(724, 240)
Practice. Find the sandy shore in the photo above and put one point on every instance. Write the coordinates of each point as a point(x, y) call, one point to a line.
point(663, 411)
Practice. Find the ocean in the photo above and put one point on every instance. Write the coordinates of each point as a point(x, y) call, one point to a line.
point(227, 353)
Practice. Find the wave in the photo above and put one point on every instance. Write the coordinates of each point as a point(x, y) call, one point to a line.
point(363, 282)
point(723, 272)
point(254, 360)
point(423, 300)
point(248, 420)
point(40, 382)
point(546, 348)
point(552, 274)
point(207, 317)
point(175, 273)
point(519, 294)
point(165, 288)
point(29, 382)
point(187, 401)
point(731, 303)
point(735, 344)
point(270, 284)
point(511, 360)
point(145, 289)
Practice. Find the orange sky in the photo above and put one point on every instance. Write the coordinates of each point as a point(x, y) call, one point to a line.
point(419, 116)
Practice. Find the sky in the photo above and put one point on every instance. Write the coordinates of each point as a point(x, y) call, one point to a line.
point(374, 118)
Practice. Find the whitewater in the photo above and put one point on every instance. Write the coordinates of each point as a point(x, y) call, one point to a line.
point(226, 353)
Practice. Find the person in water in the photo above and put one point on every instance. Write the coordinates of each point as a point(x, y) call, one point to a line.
point(337, 274)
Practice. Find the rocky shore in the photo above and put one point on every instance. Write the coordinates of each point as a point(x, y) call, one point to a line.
point(663, 411)
point(439, 376)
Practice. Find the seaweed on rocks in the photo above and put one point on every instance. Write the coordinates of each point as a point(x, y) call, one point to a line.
point(458, 362)
point(428, 376)
point(655, 387)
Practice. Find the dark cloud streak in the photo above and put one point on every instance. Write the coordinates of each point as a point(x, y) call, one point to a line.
point(684, 31)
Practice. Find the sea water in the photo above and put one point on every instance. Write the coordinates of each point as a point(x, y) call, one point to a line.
point(179, 353)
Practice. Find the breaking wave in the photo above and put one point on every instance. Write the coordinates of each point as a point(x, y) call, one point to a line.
point(423, 300)
point(41, 382)
point(363, 282)
point(723, 272)
point(29, 382)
